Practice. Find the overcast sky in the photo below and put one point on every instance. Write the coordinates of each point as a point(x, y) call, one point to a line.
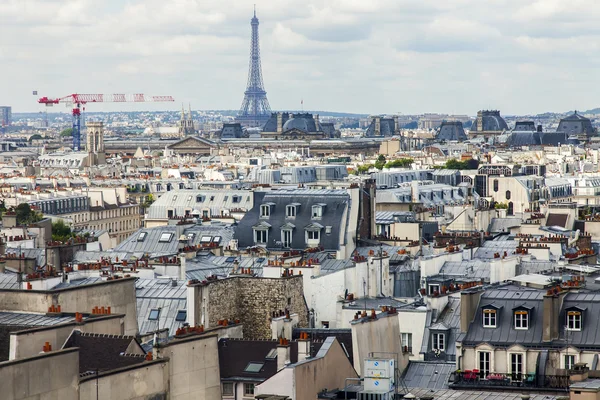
point(364, 56)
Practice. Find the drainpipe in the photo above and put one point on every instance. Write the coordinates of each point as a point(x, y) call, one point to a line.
point(381, 270)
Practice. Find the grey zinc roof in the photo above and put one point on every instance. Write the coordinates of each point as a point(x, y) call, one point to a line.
point(428, 375)
point(489, 248)
point(505, 334)
point(160, 294)
point(29, 319)
point(478, 269)
point(181, 200)
point(504, 224)
point(8, 281)
point(152, 245)
point(336, 203)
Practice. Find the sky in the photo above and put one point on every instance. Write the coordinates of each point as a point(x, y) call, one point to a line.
point(362, 56)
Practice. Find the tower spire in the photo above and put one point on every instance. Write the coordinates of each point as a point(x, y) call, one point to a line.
point(255, 109)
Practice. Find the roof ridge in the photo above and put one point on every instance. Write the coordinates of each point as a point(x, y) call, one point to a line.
point(105, 335)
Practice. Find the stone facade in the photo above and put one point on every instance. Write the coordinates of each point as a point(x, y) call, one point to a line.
point(253, 300)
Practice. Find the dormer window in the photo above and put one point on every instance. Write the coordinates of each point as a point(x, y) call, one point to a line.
point(574, 319)
point(200, 199)
point(489, 318)
point(317, 210)
point(265, 209)
point(521, 319)
point(291, 210)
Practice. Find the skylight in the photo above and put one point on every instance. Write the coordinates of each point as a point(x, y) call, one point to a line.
point(271, 355)
point(154, 313)
point(165, 237)
point(254, 367)
point(230, 259)
point(181, 315)
point(142, 236)
point(205, 239)
point(216, 239)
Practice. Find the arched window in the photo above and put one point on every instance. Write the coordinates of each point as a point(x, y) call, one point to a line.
point(495, 185)
point(508, 195)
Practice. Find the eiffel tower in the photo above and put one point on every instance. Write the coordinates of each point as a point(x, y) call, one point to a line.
point(255, 110)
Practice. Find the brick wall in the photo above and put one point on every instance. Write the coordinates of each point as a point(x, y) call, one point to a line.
point(252, 300)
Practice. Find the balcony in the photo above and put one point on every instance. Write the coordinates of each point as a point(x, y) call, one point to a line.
point(476, 379)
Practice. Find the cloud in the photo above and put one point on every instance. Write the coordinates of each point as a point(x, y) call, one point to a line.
point(376, 56)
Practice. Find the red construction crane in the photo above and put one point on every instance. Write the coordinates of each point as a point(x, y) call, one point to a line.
point(79, 100)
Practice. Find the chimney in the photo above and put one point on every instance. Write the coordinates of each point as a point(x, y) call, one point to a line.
point(414, 191)
point(469, 300)
point(182, 270)
point(316, 118)
point(550, 320)
point(279, 122)
point(303, 346)
point(193, 304)
point(283, 354)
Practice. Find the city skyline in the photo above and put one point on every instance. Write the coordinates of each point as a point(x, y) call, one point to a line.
point(522, 57)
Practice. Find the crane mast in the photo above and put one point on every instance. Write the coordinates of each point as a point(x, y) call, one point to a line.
point(80, 100)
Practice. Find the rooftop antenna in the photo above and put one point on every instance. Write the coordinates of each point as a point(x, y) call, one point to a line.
point(302, 104)
point(254, 10)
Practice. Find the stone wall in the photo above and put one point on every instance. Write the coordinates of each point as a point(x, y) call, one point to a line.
point(253, 300)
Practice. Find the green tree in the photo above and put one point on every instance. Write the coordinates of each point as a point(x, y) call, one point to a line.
point(35, 137)
point(67, 132)
point(25, 215)
point(380, 163)
point(363, 169)
point(400, 163)
point(61, 231)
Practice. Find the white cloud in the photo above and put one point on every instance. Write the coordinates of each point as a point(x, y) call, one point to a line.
point(522, 56)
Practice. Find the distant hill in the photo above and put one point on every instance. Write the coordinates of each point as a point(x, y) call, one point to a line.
point(233, 113)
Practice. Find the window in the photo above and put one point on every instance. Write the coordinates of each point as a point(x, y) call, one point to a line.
point(227, 389)
point(205, 239)
point(406, 342)
point(521, 320)
point(516, 364)
point(272, 354)
point(205, 214)
point(260, 236)
point(574, 320)
point(433, 289)
point(317, 211)
point(181, 315)
point(249, 389)
point(254, 367)
point(154, 313)
point(495, 185)
point(142, 236)
point(313, 235)
point(265, 210)
point(489, 318)
point(439, 341)
point(165, 237)
point(508, 195)
point(237, 199)
point(328, 230)
point(290, 211)
point(217, 239)
point(569, 361)
point(286, 238)
point(484, 363)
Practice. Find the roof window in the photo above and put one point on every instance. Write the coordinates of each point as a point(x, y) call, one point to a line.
point(154, 313)
point(254, 367)
point(142, 236)
point(181, 315)
point(165, 237)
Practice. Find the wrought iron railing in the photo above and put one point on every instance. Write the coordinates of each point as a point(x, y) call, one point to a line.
point(476, 378)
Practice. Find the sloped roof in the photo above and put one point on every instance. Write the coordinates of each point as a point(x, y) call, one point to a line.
point(101, 352)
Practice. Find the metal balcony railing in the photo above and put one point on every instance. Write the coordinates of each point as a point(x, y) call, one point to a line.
point(476, 378)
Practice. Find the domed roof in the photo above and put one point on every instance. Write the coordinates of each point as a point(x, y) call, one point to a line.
point(576, 124)
point(295, 123)
point(451, 131)
point(489, 120)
